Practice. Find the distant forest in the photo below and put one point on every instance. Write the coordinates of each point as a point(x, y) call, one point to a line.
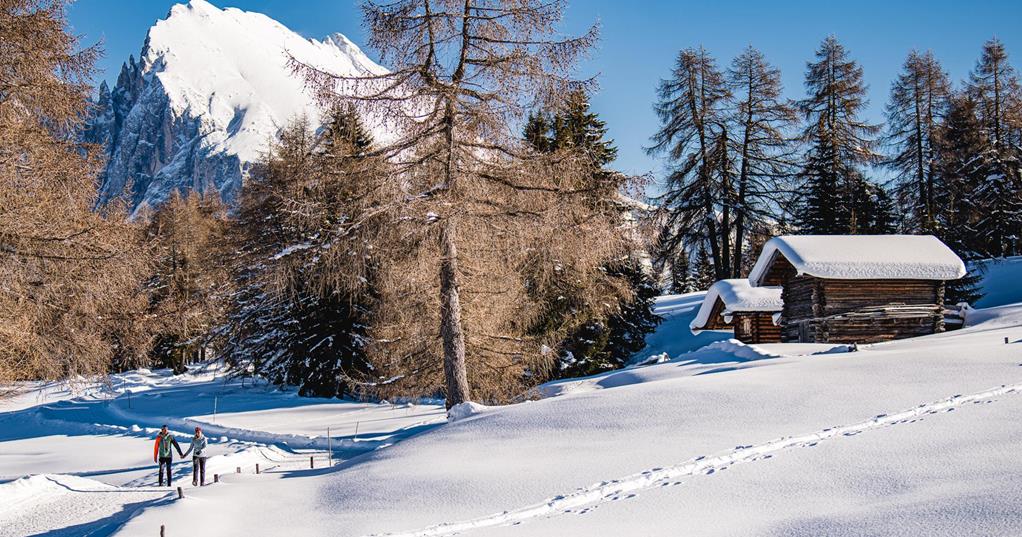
point(747, 164)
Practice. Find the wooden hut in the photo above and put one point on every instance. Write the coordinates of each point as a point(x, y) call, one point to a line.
point(858, 288)
point(735, 305)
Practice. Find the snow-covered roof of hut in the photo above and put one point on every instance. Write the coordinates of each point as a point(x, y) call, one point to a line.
point(861, 257)
point(736, 296)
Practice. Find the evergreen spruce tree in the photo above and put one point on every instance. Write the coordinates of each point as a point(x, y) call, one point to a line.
point(840, 143)
point(882, 213)
point(293, 320)
point(704, 275)
point(917, 108)
point(579, 127)
point(963, 166)
point(537, 132)
point(597, 343)
point(994, 87)
point(681, 274)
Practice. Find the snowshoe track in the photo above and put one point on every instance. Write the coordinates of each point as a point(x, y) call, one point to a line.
point(622, 487)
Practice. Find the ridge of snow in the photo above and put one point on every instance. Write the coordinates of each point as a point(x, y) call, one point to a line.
point(737, 295)
point(862, 257)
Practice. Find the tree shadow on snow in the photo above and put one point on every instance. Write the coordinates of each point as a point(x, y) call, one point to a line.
point(106, 526)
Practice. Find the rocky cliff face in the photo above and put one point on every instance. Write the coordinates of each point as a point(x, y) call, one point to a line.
point(211, 89)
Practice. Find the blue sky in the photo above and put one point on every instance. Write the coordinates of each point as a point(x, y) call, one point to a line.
point(640, 40)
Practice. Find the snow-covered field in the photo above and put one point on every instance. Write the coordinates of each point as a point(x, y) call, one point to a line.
point(915, 437)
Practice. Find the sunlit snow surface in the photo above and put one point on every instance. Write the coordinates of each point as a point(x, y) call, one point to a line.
point(916, 437)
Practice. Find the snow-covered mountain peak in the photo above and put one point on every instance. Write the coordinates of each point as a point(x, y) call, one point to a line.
point(212, 87)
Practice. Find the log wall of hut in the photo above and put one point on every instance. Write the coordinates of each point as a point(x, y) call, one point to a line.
point(860, 311)
point(756, 327)
point(716, 320)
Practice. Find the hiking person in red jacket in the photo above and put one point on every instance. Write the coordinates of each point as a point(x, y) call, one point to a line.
point(162, 452)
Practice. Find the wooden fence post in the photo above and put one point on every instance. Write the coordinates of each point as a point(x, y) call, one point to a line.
point(238, 470)
point(216, 478)
point(311, 464)
point(180, 493)
point(257, 468)
point(162, 531)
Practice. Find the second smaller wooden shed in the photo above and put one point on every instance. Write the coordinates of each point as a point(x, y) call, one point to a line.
point(735, 305)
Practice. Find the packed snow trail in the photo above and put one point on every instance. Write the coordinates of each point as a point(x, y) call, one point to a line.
point(84, 506)
point(90, 507)
point(612, 490)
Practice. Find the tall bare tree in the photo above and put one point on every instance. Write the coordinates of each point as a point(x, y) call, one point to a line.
point(190, 282)
point(763, 147)
point(484, 219)
point(693, 132)
point(71, 277)
point(840, 143)
point(918, 105)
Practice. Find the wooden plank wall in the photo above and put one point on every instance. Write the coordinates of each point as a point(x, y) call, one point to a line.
point(761, 328)
point(860, 311)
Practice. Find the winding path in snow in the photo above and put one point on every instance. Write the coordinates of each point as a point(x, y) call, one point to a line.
point(611, 490)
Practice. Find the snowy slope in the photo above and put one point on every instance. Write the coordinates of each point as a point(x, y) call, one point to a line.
point(1000, 282)
point(645, 446)
point(915, 437)
point(211, 89)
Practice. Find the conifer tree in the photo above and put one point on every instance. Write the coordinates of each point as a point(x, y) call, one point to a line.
point(596, 343)
point(840, 143)
point(883, 212)
point(483, 221)
point(762, 119)
point(994, 87)
point(190, 284)
point(704, 276)
point(297, 319)
point(691, 108)
point(963, 166)
point(681, 274)
point(918, 105)
point(577, 126)
point(72, 278)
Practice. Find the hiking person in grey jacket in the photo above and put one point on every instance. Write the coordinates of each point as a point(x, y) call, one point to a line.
point(163, 452)
point(198, 451)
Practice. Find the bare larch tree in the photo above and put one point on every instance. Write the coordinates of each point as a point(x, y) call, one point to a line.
point(70, 276)
point(485, 219)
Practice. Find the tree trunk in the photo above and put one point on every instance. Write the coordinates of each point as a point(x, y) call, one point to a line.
point(743, 181)
point(451, 333)
point(453, 337)
point(698, 116)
